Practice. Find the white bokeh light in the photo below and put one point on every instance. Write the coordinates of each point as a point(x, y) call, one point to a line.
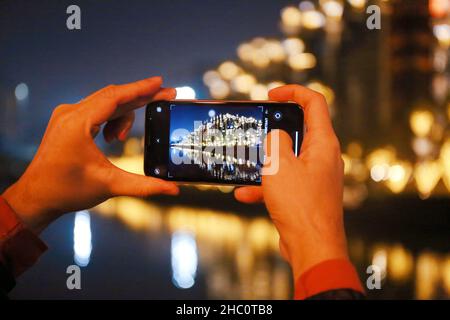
point(21, 92)
point(184, 259)
point(82, 236)
point(185, 92)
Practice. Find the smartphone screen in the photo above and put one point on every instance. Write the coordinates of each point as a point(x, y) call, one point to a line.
point(214, 141)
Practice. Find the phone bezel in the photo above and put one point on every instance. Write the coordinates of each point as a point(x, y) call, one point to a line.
point(160, 154)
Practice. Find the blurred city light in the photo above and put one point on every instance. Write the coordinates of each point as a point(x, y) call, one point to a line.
point(380, 259)
point(82, 236)
point(302, 61)
point(184, 259)
point(243, 83)
point(291, 17)
point(259, 92)
point(421, 122)
point(228, 70)
point(21, 92)
point(401, 263)
point(357, 4)
point(332, 8)
point(427, 175)
point(442, 33)
point(185, 92)
point(439, 8)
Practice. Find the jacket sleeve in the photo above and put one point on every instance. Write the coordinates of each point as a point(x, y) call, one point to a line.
point(330, 279)
point(19, 247)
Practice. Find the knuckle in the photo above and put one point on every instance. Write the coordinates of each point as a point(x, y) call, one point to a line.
point(109, 91)
point(60, 110)
point(319, 97)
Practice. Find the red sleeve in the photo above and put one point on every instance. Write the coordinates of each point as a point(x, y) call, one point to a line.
point(19, 247)
point(325, 276)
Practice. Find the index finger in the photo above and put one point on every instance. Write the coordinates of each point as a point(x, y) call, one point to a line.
point(317, 117)
point(103, 105)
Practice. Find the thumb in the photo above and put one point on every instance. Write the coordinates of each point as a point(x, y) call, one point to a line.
point(278, 146)
point(125, 183)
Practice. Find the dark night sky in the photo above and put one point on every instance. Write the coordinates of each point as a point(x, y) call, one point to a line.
point(120, 41)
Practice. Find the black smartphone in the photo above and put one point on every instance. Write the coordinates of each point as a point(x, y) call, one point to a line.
point(214, 142)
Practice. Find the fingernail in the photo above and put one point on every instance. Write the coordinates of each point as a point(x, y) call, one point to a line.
point(172, 92)
point(157, 78)
point(171, 189)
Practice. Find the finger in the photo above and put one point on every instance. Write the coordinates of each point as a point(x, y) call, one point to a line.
point(118, 128)
point(249, 194)
point(317, 117)
point(162, 94)
point(115, 100)
point(123, 183)
point(278, 153)
point(278, 144)
point(165, 94)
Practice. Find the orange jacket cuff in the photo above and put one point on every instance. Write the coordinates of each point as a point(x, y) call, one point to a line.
point(328, 275)
point(19, 247)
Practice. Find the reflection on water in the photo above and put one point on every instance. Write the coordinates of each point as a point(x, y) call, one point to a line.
point(239, 255)
point(184, 259)
point(82, 245)
point(217, 164)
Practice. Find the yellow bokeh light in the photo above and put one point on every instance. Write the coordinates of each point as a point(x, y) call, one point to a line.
point(357, 4)
point(381, 156)
point(448, 110)
point(427, 276)
point(274, 51)
point(259, 92)
point(347, 163)
point(401, 263)
point(260, 59)
point(379, 259)
point(275, 84)
point(243, 83)
point(332, 8)
point(228, 70)
point(291, 17)
point(398, 176)
point(313, 19)
point(219, 89)
point(421, 122)
point(293, 46)
point(210, 76)
point(131, 164)
point(138, 214)
point(427, 175)
point(302, 61)
point(444, 158)
point(446, 274)
point(245, 52)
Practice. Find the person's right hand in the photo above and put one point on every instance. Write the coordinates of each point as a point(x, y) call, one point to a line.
point(305, 197)
point(69, 172)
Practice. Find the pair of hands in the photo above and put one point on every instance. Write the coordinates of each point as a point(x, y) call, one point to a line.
point(70, 173)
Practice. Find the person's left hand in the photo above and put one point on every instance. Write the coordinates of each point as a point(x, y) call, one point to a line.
point(69, 172)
